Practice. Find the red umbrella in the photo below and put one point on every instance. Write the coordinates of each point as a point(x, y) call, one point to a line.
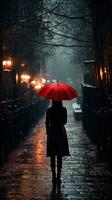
point(58, 92)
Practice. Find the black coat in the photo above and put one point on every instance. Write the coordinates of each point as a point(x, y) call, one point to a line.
point(57, 142)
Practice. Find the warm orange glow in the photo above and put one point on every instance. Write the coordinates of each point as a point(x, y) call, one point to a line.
point(33, 82)
point(7, 65)
point(43, 80)
point(25, 78)
point(17, 78)
point(22, 64)
point(105, 70)
point(41, 148)
point(9, 62)
point(38, 86)
point(101, 73)
point(4, 62)
point(38, 82)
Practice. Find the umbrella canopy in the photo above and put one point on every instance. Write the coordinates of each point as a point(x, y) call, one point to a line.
point(58, 92)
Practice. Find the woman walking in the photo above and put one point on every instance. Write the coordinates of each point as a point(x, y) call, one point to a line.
point(57, 142)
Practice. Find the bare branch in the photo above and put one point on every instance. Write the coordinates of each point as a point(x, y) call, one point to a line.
point(66, 16)
point(69, 37)
point(62, 45)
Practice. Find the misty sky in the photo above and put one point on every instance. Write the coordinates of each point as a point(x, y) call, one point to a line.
point(61, 67)
point(59, 64)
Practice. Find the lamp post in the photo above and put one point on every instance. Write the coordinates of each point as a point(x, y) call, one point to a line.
point(25, 79)
point(7, 65)
point(8, 79)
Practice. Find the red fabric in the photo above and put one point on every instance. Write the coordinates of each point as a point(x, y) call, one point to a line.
point(58, 91)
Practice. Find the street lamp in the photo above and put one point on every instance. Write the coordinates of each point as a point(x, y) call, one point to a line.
point(25, 78)
point(38, 82)
point(7, 65)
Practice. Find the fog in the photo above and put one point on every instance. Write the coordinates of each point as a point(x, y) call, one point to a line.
point(62, 67)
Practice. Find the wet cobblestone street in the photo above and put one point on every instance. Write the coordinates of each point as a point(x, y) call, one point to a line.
point(27, 175)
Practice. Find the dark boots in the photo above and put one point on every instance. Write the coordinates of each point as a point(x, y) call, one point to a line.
point(59, 167)
point(53, 169)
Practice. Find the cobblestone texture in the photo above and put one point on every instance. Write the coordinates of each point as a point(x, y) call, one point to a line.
point(27, 175)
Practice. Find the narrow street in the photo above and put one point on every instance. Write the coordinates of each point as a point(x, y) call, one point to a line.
point(27, 175)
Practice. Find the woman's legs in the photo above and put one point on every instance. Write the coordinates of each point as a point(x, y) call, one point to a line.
point(53, 168)
point(59, 167)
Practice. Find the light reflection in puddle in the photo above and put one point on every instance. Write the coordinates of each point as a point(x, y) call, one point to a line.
point(41, 148)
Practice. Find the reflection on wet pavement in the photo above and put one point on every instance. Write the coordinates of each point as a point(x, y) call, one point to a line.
point(27, 175)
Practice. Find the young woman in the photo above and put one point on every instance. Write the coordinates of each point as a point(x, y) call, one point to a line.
point(57, 142)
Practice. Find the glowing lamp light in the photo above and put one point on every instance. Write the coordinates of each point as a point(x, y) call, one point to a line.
point(101, 73)
point(38, 86)
point(33, 83)
point(22, 64)
point(105, 70)
point(43, 80)
point(17, 78)
point(4, 62)
point(7, 65)
point(25, 78)
point(48, 81)
point(9, 62)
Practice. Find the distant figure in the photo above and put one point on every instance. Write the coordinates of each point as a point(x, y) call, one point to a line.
point(57, 142)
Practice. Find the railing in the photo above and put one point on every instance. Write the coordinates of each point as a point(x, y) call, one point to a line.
point(16, 119)
point(97, 118)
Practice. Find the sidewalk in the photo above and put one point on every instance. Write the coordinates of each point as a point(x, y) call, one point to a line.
point(27, 174)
